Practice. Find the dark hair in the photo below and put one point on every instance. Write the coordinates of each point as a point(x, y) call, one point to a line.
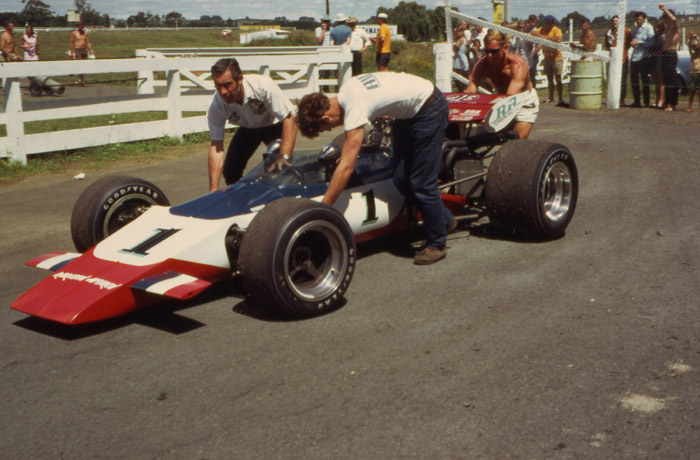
point(222, 65)
point(7, 24)
point(310, 113)
point(640, 13)
point(532, 17)
point(584, 20)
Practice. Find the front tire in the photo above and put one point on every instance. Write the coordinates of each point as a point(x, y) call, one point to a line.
point(108, 204)
point(532, 187)
point(297, 255)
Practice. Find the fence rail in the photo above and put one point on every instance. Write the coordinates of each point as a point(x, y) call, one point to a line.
point(173, 85)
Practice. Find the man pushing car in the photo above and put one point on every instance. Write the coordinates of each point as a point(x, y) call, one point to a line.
point(420, 112)
point(261, 110)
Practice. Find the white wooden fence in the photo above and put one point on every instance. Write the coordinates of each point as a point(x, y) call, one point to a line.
point(187, 86)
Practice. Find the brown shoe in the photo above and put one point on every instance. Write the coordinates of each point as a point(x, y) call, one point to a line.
point(429, 256)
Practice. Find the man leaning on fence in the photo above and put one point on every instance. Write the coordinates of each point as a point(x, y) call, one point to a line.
point(553, 60)
point(641, 62)
point(261, 110)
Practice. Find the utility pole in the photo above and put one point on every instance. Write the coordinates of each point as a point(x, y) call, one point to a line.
point(328, 11)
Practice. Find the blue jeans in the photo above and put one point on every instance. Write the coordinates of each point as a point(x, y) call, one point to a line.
point(417, 156)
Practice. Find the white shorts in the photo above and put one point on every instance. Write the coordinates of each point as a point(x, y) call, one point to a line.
point(528, 112)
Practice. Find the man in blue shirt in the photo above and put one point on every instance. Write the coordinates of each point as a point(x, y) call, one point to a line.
point(341, 33)
point(641, 62)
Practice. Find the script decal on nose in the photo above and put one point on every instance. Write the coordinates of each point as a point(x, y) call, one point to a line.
point(99, 282)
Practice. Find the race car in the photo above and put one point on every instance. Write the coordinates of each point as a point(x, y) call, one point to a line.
point(271, 233)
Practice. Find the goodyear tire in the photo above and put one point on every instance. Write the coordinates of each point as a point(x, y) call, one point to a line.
point(297, 255)
point(107, 205)
point(532, 187)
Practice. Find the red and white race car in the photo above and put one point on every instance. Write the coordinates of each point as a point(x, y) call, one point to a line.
point(270, 231)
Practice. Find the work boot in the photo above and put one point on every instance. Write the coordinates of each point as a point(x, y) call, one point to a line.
point(429, 256)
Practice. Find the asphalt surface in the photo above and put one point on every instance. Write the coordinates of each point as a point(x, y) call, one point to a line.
point(583, 347)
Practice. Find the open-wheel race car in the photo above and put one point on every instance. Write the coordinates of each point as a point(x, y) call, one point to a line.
point(271, 234)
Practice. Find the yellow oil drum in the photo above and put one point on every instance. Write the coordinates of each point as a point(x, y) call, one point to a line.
point(586, 85)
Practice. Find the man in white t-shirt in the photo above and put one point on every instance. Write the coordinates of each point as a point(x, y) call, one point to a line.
point(261, 110)
point(420, 115)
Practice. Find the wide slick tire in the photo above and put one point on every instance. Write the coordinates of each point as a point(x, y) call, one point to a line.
point(108, 204)
point(532, 188)
point(297, 255)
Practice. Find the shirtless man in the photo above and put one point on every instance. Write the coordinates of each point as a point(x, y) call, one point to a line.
point(79, 45)
point(7, 44)
point(509, 74)
point(669, 57)
point(587, 35)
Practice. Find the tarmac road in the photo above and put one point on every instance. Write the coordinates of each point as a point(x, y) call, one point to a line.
point(583, 347)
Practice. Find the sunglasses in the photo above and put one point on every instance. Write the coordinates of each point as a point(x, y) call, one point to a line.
point(492, 50)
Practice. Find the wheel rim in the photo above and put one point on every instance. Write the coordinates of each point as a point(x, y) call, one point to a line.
point(315, 260)
point(557, 191)
point(125, 210)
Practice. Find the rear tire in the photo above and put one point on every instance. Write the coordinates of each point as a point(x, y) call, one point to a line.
point(108, 204)
point(297, 255)
point(532, 187)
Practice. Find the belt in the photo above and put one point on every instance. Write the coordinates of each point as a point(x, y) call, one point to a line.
point(430, 99)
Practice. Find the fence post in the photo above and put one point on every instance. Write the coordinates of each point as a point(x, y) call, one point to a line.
point(145, 83)
point(174, 104)
point(15, 121)
point(443, 67)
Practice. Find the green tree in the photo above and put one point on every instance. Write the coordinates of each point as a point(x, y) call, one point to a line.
point(36, 12)
point(173, 19)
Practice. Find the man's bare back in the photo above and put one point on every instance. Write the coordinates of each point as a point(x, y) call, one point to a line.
point(510, 76)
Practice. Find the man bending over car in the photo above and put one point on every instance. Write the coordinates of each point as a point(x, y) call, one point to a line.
point(509, 74)
point(420, 113)
point(261, 110)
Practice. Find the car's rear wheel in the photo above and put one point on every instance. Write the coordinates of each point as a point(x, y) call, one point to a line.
point(108, 204)
point(297, 255)
point(532, 187)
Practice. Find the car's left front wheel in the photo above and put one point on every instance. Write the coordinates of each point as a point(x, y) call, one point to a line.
point(297, 255)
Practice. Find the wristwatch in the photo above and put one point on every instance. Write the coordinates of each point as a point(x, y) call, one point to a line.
point(287, 157)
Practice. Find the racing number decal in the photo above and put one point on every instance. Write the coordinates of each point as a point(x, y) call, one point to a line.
point(159, 236)
point(371, 207)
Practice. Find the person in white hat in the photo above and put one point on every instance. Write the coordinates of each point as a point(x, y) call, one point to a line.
point(359, 42)
point(340, 35)
point(383, 43)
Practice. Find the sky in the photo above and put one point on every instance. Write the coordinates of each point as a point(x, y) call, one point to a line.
point(363, 9)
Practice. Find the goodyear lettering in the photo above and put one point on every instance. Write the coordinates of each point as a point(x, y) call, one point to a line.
point(131, 189)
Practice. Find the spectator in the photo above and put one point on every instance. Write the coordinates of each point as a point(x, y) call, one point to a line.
point(323, 33)
point(532, 25)
point(553, 62)
point(509, 74)
point(611, 42)
point(7, 44)
point(478, 32)
point(79, 45)
point(341, 33)
point(657, 74)
point(323, 38)
point(669, 58)
point(359, 42)
point(460, 62)
point(587, 39)
point(261, 110)
point(641, 63)
point(694, 48)
point(524, 48)
point(30, 44)
point(383, 43)
point(420, 115)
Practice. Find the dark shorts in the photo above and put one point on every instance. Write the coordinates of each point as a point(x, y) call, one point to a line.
point(81, 53)
point(383, 59)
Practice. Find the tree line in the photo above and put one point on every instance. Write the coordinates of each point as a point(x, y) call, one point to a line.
point(415, 22)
